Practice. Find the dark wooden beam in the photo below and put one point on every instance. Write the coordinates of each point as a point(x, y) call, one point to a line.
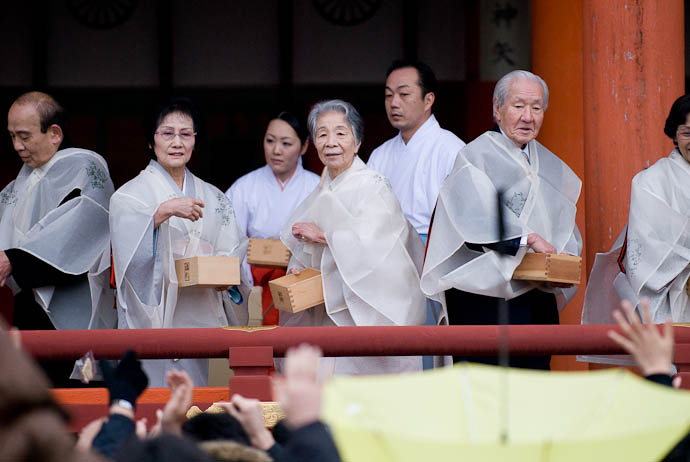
point(410, 28)
point(285, 51)
point(471, 12)
point(164, 15)
point(39, 44)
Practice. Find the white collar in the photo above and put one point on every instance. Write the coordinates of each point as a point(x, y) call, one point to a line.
point(429, 124)
point(524, 149)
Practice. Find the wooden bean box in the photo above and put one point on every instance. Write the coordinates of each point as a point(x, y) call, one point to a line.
point(549, 267)
point(268, 252)
point(297, 292)
point(218, 271)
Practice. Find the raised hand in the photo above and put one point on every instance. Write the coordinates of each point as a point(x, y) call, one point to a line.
point(299, 392)
point(175, 411)
point(652, 350)
point(248, 413)
point(183, 207)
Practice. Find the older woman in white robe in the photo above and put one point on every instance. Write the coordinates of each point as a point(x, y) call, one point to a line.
point(162, 215)
point(651, 257)
point(353, 230)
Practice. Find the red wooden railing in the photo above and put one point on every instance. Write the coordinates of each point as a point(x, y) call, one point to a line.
point(334, 341)
point(251, 351)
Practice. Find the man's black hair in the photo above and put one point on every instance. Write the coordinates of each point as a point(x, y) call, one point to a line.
point(427, 78)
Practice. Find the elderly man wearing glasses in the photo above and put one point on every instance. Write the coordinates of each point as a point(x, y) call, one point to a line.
point(164, 214)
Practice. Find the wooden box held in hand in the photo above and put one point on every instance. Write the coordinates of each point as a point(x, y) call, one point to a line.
point(297, 292)
point(549, 267)
point(218, 271)
point(268, 252)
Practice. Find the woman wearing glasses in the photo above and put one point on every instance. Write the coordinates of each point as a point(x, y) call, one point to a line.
point(651, 257)
point(163, 214)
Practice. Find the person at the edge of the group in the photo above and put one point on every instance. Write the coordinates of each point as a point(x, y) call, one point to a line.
point(651, 257)
point(54, 241)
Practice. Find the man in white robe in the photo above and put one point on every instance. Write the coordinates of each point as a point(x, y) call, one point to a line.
point(466, 257)
point(148, 295)
point(54, 237)
point(420, 157)
point(422, 154)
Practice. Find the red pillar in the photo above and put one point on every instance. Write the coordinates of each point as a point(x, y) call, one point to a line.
point(557, 58)
point(252, 366)
point(634, 68)
point(613, 68)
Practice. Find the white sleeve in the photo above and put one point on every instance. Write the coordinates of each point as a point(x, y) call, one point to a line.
point(372, 163)
point(449, 162)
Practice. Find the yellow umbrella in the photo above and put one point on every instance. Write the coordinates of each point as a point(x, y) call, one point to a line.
point(474, 412)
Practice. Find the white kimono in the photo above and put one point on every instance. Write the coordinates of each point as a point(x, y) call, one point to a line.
point(144, 260)
point(72, 237)
point(657, 253)
point(262, 208)
point(370, 267)
point(417, 169)
point(539, 196)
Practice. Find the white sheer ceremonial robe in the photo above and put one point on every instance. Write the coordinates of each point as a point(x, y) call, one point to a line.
point(657, 254)
point(417, 169)
point(262, 208)
point(148, 295)
point(370, 267)
point(73, 237)
point(539, 196)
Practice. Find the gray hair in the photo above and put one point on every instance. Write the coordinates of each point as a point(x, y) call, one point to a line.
point(337, 105)
point(502, 87)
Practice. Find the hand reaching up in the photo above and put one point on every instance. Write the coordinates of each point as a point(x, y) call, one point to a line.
point(652, 350)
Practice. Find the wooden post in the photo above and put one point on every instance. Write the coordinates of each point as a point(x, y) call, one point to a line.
point(633, 70)
point(557, 58)
point(613, 69)
point(251, 366)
